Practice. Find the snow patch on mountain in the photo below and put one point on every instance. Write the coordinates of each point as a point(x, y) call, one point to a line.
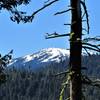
point(41, 58)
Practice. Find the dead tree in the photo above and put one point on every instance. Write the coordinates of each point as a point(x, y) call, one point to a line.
point(75, 51)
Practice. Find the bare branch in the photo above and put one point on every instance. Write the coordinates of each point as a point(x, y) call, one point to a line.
point(58, 13)
point(83, 20)
point(46, 1)
point(18, 16)
point(83, 15)
point(62, 73)
point(85, 29)
point(68, 24)
point(87, 52)
point(90, 48)
point(88, 81)
point(85, 9)
point(98, 45)
point(71, 23)
point(54, 35)
point(94, 39)
point(91, 45)
point(45, 6)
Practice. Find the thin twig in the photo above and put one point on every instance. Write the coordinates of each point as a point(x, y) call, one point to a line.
point(71, 23)
point(83, 15)
point(58, 13)
point(85, 29)
point(46, 1)
point(83, 20)
point(62, 73)
point(68, 24)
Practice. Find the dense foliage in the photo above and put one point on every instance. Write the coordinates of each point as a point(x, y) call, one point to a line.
point(4, 60)
point(42, 84)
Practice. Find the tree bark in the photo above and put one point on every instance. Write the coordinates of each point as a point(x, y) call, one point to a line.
point(75, 51)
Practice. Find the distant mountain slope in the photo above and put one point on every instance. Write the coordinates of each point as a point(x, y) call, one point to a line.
point(42, 58)
point(42, 84)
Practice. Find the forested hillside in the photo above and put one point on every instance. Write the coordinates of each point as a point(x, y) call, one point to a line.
point(42, 84)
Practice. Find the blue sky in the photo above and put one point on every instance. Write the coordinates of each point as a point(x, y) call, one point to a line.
point(29, 38)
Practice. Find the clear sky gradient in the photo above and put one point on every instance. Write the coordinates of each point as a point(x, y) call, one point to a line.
point(29, 38)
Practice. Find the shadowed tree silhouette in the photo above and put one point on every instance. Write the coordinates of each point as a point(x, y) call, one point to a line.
point(4, 60)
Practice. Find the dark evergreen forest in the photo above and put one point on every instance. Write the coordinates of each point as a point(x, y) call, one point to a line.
point(44, 84)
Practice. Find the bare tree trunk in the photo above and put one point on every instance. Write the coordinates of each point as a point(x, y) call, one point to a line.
point(75, 51)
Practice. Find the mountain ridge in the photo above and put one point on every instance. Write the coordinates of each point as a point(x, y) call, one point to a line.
point(41, 58)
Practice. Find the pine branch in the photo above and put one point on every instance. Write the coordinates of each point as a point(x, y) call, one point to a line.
point(18, 17)
point(4, 60)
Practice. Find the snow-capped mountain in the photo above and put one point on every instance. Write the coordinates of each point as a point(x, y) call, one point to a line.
point(41, 58)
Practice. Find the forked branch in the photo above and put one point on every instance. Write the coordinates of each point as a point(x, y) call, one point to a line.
point(18, 17)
